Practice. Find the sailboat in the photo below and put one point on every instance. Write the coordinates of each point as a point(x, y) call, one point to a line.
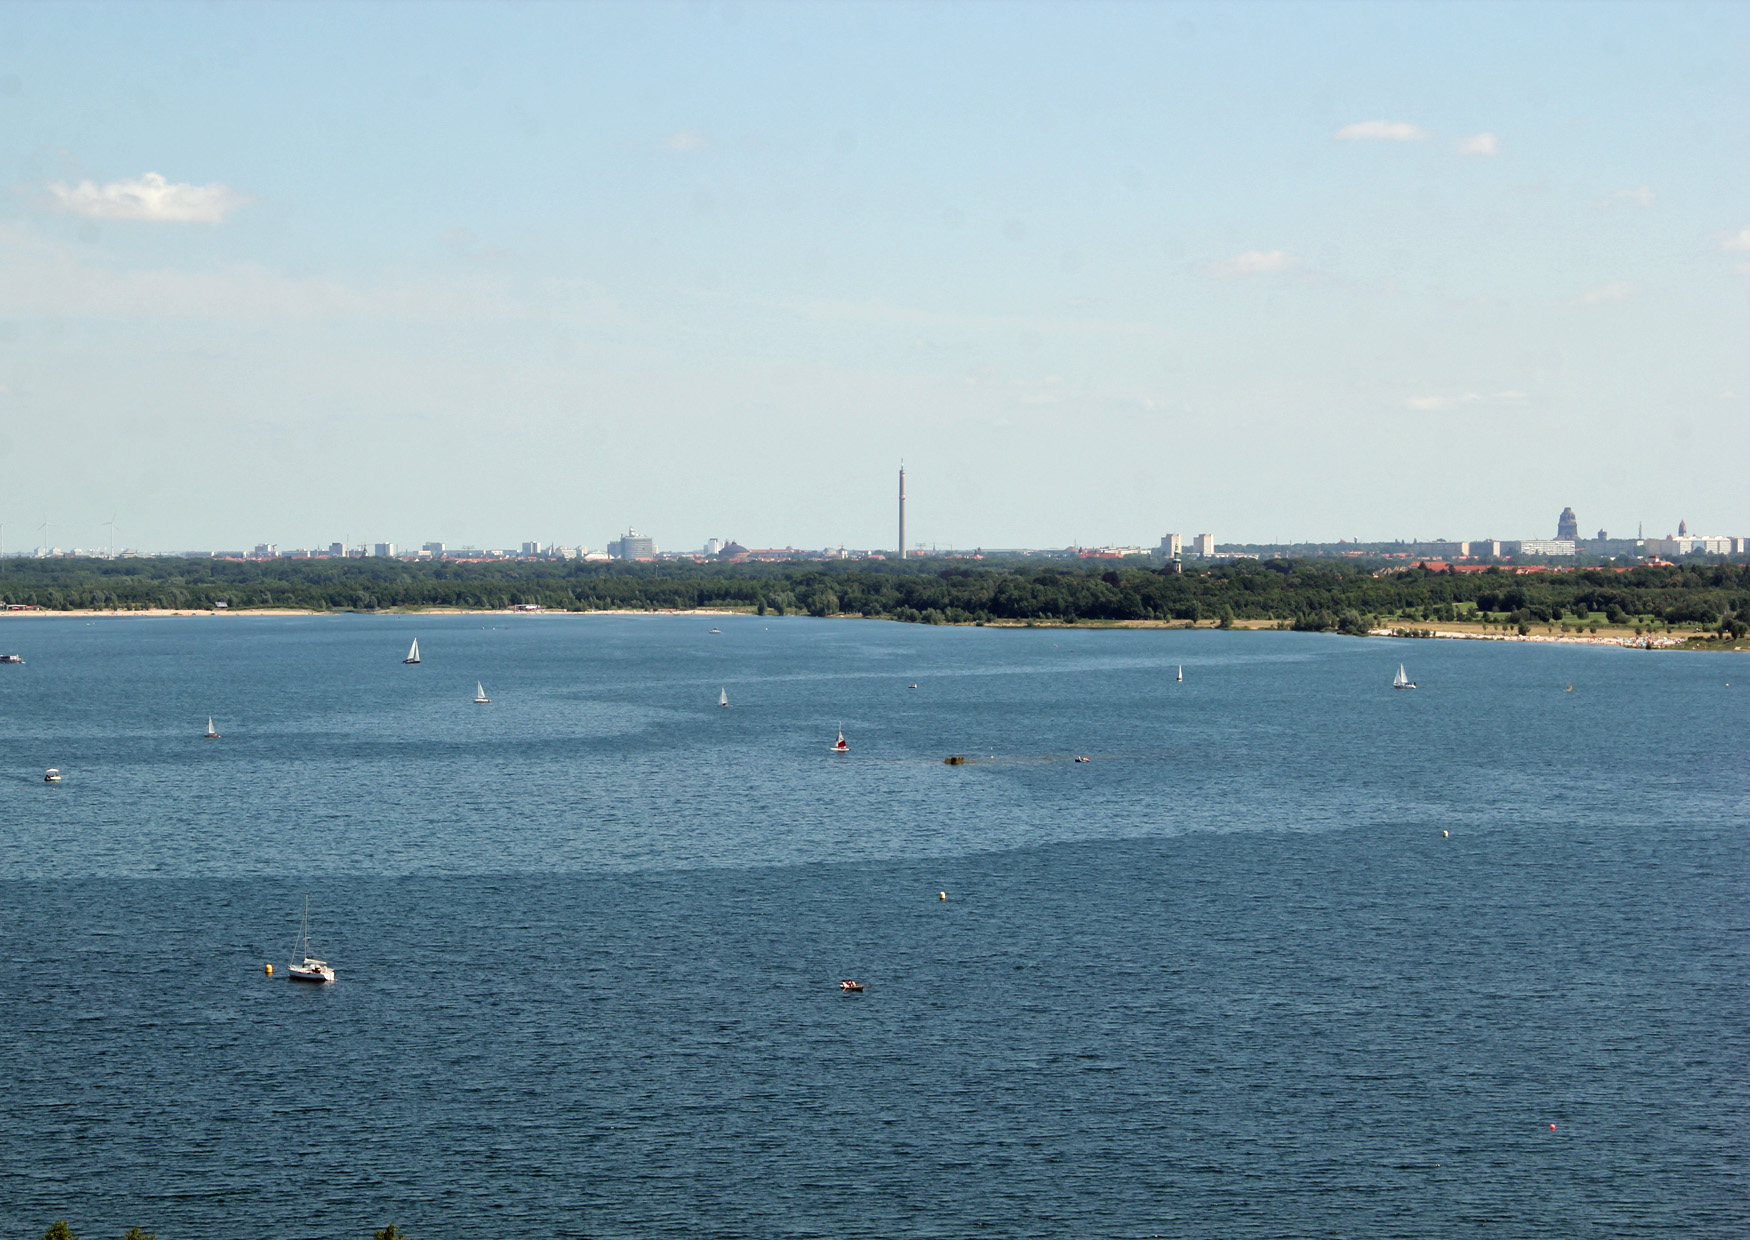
point(312, 970)
point(839, 745)
point(480, 697)
point(1181, 673)
point(723, 697)
point(212, 733)
point(1402, 680)
point(412, 652)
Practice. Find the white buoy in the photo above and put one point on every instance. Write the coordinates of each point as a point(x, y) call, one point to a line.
point(941, 895)
point(1446, 835)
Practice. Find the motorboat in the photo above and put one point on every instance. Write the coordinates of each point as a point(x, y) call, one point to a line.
point(312, 969)
point(52, 776)
point(851, 987)
point(11, 658)
point(1082, 757)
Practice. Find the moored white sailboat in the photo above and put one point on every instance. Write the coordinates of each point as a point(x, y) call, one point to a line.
point(312, 969)
point(412, 652)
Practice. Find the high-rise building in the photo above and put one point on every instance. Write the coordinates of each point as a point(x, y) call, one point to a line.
point(902, 512)
point(336, 551)
point(266, 551)
point(1567, 526)
point(1204, 546)
point(1172, 546)
point(434, 548)
point(634, 546)
point(386, 550)
point(531, 548)
point(713, 546)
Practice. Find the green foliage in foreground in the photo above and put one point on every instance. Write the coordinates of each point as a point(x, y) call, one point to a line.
point(60, 1231)
point(1302, 594)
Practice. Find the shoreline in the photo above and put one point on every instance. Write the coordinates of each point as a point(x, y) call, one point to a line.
point(161, 613)
point(1622, 639)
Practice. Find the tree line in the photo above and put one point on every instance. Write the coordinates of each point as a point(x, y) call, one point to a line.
point(1303, 594)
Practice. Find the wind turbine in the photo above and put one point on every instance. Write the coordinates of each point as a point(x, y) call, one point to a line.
point(43, 531)
point(111, 524)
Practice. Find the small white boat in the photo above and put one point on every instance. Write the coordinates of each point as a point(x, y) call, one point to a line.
point(480, 697)
point(212, 733)
point(716, 630)
point(851, 986)
point(312, 969)
point(52, 776)
point(839, 745)
point(1402, 680)
point(412, 652)
point(11, 658)
point(723, 697)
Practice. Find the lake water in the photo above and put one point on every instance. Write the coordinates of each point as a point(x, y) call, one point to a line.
point(1228, 979)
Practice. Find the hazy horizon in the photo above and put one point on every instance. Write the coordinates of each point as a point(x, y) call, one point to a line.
point(485, 274)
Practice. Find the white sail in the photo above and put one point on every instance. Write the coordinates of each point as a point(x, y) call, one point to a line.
point(1181, 673)
point(412, 652)
point(723, 697)
point(480, 693)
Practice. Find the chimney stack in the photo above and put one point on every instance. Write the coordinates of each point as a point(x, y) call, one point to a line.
point(902, 512)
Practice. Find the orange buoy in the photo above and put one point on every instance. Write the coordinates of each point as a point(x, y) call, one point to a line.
point(269, 970)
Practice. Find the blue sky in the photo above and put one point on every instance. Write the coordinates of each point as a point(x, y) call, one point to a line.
point(486, 273)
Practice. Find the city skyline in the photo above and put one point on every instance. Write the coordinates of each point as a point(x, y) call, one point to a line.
point(473, 273)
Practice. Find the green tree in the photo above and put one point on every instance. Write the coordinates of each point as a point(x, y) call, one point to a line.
point(1227, 617)
point(391, 1232)
point(134, 1233)
point(59, 1231)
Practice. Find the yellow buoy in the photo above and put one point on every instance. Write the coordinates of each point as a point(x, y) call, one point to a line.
point(1446, 835)
point(269, 970)
point(941, 895)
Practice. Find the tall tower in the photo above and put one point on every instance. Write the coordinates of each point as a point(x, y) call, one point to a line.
point(902, 512)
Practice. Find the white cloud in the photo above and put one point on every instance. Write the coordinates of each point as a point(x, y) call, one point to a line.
point(149, 197)
point(1738, 242)
point(1616, 290)
point(1435, 404)
point(1256, 263)
point(686, 141)
point(1479, 144)
point(1381, 131)
point(1642, 196)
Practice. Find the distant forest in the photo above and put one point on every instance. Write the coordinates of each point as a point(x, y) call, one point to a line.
point(1299, 594)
